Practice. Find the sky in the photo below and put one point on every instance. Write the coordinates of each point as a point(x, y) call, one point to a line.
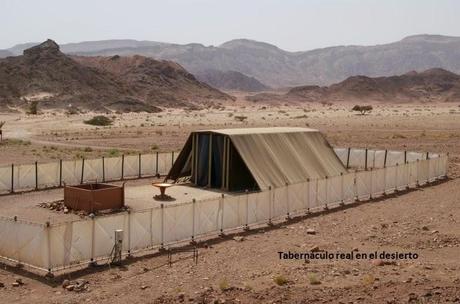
point(292, 25)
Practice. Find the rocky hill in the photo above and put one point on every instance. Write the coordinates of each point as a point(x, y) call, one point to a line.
point(279, 68)
point(434, 85)
point(230, 80)
point(44, 73)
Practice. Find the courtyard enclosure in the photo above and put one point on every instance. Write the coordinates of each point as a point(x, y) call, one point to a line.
point(255, 158)
point(16, 178)
point(51, 247)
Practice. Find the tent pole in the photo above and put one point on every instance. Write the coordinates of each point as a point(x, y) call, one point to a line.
point(224, 163)
point(209, 160)
point(227, 177)
point(196, 158)
point(193, 157)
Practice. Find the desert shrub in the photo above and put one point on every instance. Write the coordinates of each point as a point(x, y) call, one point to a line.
point(114, 152)
point(223, 285)
point(99, 120)
point(362, 109)
point(33, 107)
point(280, 280)
point(71, 110)
point(241, 118)
point(313, 279)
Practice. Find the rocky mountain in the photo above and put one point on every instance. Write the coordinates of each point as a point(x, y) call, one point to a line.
point(57, 80)
point(230, 80)
point(279, 68)
point(5, 53)
point(434, 85)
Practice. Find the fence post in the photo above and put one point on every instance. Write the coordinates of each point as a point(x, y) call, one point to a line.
point(60, 173)
point(427, 155)
point(405, 156)
point(365, 161)
point(82, 170)
point(384, 181)
point(129, 233)
point(372, 181)
point(327, 197)
point(342, 194)
point(172, 158)
point(396, 177)
point(287, 202)
point(348, 158)
point(307, 202)
point(193, 220)
point(12, 178)
point(162, 226)
point(246, 224)
point(156, 172)
point(93, 224)
point(221, 202)
point(385, 159)
point(122, 166)
point(48, 245)
point(270, 205)
point(151, 227)
point(36, 175)
point(103, 169)
point(355, 188)
point(140, 165)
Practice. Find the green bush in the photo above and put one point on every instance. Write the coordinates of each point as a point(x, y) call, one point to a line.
point(99, 120)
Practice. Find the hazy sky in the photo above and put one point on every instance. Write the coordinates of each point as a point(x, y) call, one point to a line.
point(290, 24)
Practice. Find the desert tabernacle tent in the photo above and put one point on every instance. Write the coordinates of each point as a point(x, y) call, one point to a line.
point(255, 158)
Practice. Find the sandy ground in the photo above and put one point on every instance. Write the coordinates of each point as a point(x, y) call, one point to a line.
point(425, 221)
point(138, 196)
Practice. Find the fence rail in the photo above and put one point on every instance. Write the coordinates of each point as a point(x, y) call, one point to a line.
point(53, 247)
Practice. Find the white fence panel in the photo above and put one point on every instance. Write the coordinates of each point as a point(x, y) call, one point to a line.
point(5, 179)
point(178, 223)
point(342, 154)
point(280, 202)
point(148, 165)
point(112, 167)
point(357, 158)
point(164, 163)
point(363, 184)
point(234, 212)
point(92, 170)
point(378, 181)
point(395, 157)
point(402, 172)
point(259, 207)
point(48, 175)
point(297, 195)
point(131, 166)
point(24, 242)
point(208, 215)
point(71, 172)
point(349, 187)
point(104, 233)
point(334, 189)
point(24, 177)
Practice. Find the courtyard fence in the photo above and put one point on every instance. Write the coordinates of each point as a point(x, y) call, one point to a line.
point(17, 178)
point(51, 247)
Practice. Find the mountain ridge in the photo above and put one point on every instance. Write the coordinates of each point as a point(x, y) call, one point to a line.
point(139, 83)
point(279, 68)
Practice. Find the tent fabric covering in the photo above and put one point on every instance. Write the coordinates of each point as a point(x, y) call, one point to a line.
point(278, 156)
